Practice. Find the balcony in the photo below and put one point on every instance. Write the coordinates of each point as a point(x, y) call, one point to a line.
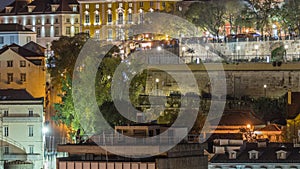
point(22, 118)
point(14, 156)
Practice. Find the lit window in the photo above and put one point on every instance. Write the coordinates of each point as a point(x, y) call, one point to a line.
point(120, 5)
point(30, 131)
point(30, 112)
point(10, 63)
point(10, 77)
point(68, 30)
point(23, 77)
point(31, 149)
point(6, 150)
point(22, 63)
point(109, 5)
point(97, 18)
point(97, 34)
point(5, 131)
point(97, 6)
point(74, 8)
point(109, 18)
point(130, 5)
point(87, 6)
point(87, 18)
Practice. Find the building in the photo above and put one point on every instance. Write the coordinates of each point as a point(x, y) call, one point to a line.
point(21, 129)
point(21, 68)
point(260, 155)
point(49, 19)
point(117, 16)
point(15, 33)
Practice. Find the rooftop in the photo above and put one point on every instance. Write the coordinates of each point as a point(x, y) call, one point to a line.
point(13, 27)
point(15, 94)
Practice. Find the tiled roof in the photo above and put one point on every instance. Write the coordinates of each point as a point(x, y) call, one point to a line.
point(17, 5)
point(266, 154)
point(270, 127)
point(34, 47)
point(11, 27)
point(236, 118)
point(15, 94)
point(27, 54)
point(42, 6)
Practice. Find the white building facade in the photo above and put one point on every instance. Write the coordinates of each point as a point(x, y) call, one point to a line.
point(22, 118)
point(49, 19)
point(15, 33)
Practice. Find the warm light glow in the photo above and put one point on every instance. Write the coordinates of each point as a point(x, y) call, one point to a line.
point(159, 48)
point(248, 126)
point(45, 130)
point(256, 47)
point(238, 47)
point(286, 46)
point(156, 80)
point(265, 86)
point(183, 48)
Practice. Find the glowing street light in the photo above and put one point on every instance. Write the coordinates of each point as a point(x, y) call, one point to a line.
point(265, 90)
point(157, 81)
point(159, 48)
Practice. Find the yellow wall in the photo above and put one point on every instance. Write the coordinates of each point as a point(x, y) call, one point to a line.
point(157, 5)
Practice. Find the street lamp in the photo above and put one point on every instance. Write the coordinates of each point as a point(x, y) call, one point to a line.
point(256, 48)
point(157, 81)
point(237, 49)
point(285, 53)
point(265, 90)
point(183, 50)
point(159, 48)
point(206, 48)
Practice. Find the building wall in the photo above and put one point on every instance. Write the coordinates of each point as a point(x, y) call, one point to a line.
point(254, 165)
point(19, 38)
point(48, 27)
point(119, 29)
point(18, 123)
point(104, 165)
point(35, 75)
point(242, 79)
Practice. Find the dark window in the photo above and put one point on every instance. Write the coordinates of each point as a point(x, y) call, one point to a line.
point(10, 77)
point(141, 4)
point(23, 77)
point(10, 63)
point(109, 18)
point(22, 63)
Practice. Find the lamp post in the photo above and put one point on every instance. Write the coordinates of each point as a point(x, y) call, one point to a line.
point(265, 90)
point(256, 48)
point(157, 81)
point(285, 53)
point(206, 48)
point(238, 48)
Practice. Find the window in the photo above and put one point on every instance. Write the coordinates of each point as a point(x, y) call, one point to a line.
point(47, 32)
point(87, 6)
point(30, 131)
point(12, 39)
point(28, 39)
point(10, 77)
point(1, 39)
point(141, 17)
point(5, 131)
point(68, 30)
point(6, 150)
point(56, 31)
point(87, 32)
point(22, 63)
point(141, 4)
point(9, 63)
point(74, 8)
point(109, 5)
point(30, 112)
point(38, 21)
point(97, 18)
point(56, 20)
point(151, 3)
point(97, 34)
point(68, 20)
point(164, 4)
point(120, 16)
point(130, 5)
point(109, 18)
point(109, 34)
point(28, 22)
point(23, 77)
point(129, 17)
point(47, 21)
point(38, 32)
point(120, 5)
point(87, 18)
point(76, 20)
point(76, 30)
point(31, 150)
point(97, 6)
point(5, 113)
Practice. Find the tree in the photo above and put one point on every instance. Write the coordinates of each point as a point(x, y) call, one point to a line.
point(233, 11)
point(209, 16)
point(66, 50)
point(260, 13)
point(289, 16)
point(270, 110)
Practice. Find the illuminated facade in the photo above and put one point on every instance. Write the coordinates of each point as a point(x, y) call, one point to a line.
point(117, 16)
point(49, 19)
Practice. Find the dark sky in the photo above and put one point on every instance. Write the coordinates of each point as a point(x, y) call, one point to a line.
point(3, 3)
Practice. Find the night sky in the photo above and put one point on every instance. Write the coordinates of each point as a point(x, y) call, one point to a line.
point(3, 3)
